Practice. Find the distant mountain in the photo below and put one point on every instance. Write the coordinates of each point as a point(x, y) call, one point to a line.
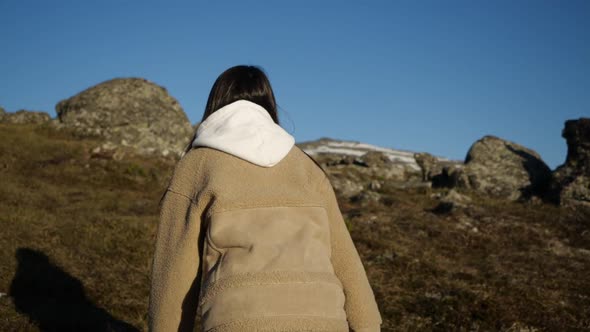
point(357, 149)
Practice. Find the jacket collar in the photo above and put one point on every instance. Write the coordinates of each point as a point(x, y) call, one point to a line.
point(245, 130)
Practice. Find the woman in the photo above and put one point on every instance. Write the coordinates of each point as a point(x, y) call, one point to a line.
point(250, 235)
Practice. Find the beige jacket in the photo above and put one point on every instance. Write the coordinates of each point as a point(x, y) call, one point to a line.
point(255, 242)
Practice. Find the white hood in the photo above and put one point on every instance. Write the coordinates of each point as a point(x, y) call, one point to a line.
point(245, 130)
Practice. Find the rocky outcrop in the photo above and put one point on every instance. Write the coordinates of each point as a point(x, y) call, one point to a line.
point(501, 168)
point(451, 201)
point(24, 117)
point(372, 164)
point(571, 181)
point(342, 152)
point(366, 197)
point(451, 176)
point(129, 112)
point(433, 168)
point(346, 187)
point(376, 159)
point(427, 163)
point(358, 169)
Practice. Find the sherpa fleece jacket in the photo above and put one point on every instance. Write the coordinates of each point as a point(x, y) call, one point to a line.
point(251, 237)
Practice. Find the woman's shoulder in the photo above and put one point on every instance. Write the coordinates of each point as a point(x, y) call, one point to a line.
point(190, 159)
point(198, 154)
point(313, 168)
point(189, 167)
point(205, 159)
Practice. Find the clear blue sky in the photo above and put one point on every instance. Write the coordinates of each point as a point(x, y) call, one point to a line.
point(429, 76)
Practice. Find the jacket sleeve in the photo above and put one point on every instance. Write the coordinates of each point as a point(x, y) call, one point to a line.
point(175, 274)
point(360, 305)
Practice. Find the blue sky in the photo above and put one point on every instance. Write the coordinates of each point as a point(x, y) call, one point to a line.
point(429, 76)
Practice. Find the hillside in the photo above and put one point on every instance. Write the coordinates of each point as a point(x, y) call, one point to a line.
point(353, 148)
point(78, 231)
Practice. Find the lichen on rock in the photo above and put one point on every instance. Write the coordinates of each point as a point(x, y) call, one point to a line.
point(129, 112)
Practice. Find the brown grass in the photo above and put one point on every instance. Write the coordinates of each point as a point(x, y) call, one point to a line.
point(77, 236)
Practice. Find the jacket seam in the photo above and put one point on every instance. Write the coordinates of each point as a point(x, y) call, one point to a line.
point(207, 298)
point(270, 316)
point(183, 195)
point(210, 241)
point(224, 282)
point(250, 207)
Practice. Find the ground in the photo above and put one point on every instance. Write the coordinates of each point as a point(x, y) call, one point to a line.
point(77, 236)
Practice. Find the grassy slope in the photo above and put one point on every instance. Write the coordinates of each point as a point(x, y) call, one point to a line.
point(77, 235)
point(82, 227)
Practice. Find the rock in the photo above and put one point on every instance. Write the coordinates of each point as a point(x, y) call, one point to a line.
point(356, 161)
point(376, 164)
point(451, 176)
point(352, 160)
point(452, 201)
point(574, 191)
point(345, 187)
point(577, 135)
point(366, 197)
point(453, 197)
point(118, 155)
point(436, 170)
point(375, 185)
point(411, 184)
point(427, 162)
point(503, 169)
point(360, 160)
point(130, 112)
point(55, 123)
point(558, 248)
point(329, 159)
point(24, 117)
point(376, 159)
point(2, 113)
point(570, 185)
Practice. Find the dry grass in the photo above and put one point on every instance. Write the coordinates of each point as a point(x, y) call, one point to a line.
point(77, 232)
point(495, 266)
point(77, 236)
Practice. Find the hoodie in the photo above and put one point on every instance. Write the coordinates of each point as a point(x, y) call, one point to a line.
point(251, 237)
point(245, 130)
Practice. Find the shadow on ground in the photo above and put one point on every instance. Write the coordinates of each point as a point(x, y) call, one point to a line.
point(55, 300)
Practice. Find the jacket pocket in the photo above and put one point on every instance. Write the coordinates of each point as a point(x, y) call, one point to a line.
point(212, 258)
point(262, 239)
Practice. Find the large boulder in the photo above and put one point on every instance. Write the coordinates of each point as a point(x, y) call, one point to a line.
point(24, 117)
point(503, 169)
point(571, 181)
point(451, 176)
point(376, 164)
point(433, 168)
point(130, 112)
point(427, 163)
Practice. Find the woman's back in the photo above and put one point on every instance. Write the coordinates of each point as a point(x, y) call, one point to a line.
point(251, 234)
point(267, 250)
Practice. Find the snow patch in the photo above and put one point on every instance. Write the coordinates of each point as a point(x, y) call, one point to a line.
point(357, 149)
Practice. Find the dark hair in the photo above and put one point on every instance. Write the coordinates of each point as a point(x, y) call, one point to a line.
point(242, 82)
